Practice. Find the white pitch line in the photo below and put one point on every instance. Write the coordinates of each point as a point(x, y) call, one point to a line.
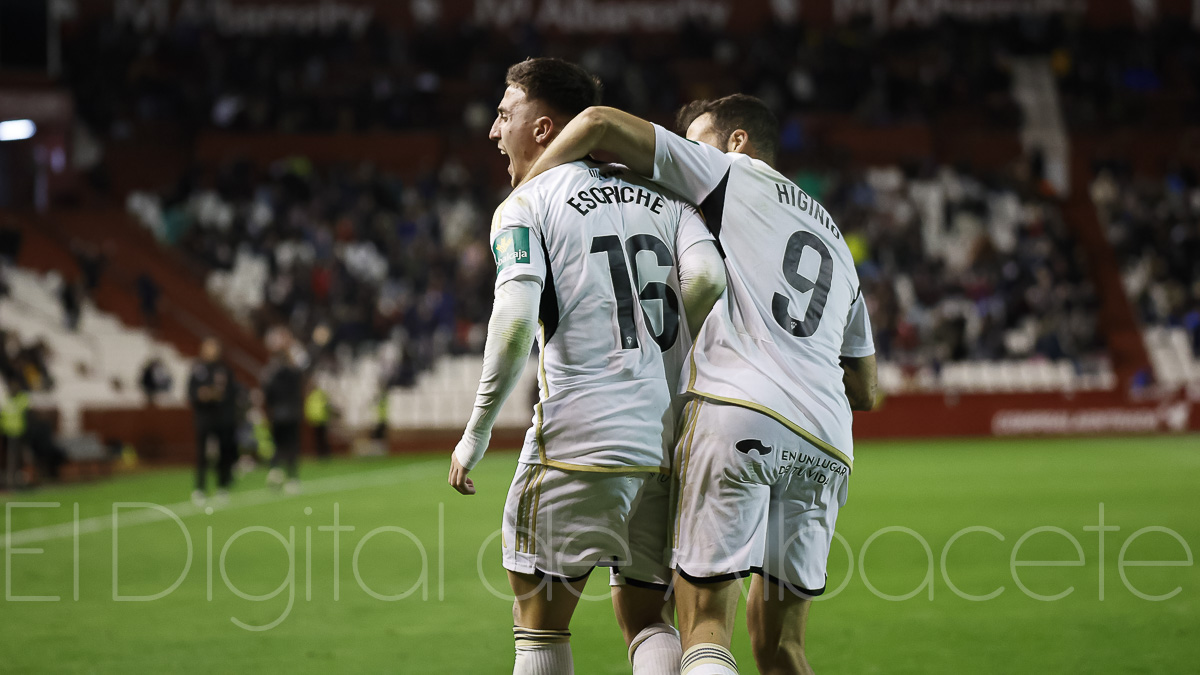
point(364, 479)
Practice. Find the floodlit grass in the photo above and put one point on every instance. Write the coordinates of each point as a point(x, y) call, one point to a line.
point(271, 565)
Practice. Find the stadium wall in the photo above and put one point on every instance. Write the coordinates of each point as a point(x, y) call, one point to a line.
point(164, 435)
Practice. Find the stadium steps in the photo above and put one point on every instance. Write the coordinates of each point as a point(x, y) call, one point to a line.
point(1171, 355)
point(1117, 319)
point(187, 314)
point(97, 367)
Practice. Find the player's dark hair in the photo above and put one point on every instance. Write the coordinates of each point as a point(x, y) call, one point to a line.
point(737, 111)
point(562, 85)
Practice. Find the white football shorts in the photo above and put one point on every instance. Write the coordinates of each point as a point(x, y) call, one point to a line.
point(561, 524)
point(754, 497)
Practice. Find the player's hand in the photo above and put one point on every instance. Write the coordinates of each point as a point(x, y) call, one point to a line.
point(458, 477)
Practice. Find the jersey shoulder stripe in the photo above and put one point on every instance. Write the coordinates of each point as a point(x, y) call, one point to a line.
point(548, 313)
point(713, 208)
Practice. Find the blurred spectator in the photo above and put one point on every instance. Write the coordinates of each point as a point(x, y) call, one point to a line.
point(317, 411)
point(193, 76)
point(212, 392)
point(148, 293)
point(71, 296)
point(25, 366)
point(10, 243)
point(91, 261)
point(350, 256)
point(14, 417)
point(1126, 75)
point(283, 398)
point(961, 267)
point(33, 360)
point(1154, 228)
point(155, 379)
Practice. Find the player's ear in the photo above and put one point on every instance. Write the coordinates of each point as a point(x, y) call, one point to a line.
point(739, 141)
point(544, 129)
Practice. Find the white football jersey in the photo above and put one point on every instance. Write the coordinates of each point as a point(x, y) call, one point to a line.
point(613, 340)
point(793, 306)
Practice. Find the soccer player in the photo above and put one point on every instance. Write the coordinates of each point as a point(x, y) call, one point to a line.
point(598, 266)
point(766, 449)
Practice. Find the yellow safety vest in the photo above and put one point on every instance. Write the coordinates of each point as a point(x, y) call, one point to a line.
point(262, 437)
point(316, 407)
point(381, 409)
point(12, 419)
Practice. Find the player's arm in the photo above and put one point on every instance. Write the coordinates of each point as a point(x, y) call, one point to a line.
point(701, 282)
point(858, 357)
point(520, 275)
point(701, 270)
point(858, 376)
point(510, 336)
point(605, 129)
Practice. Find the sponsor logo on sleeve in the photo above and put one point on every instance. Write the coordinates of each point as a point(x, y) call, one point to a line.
point(511, 247)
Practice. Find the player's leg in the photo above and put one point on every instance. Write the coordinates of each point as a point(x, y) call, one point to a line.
point(201, 480)
point(646, 618)
point(558, 525)
point(641, 591)
point(777, 619)
point(227, 457)
point(292, 456)
point(801, 520)
point(726, 465)
point(706, 611)
point(275, 475)
point(321, 436)
point(541, 622)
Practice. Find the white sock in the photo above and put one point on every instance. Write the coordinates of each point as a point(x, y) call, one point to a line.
point(543, 652)
point(656, 651)
point(708, 658)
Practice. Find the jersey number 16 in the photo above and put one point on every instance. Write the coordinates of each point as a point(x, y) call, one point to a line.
point(610, 244)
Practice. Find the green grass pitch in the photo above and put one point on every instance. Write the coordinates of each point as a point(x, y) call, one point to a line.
point(438, 547)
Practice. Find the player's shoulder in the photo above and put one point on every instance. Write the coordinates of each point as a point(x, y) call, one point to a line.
point(518, 206)
point(743, 163)
point(626, 175)
point(530, 198)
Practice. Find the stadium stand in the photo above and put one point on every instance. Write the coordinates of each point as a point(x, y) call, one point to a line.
point(968, 277)
point(339, 180)
point(97, 365)
point(442, 77)
point(1151, 224)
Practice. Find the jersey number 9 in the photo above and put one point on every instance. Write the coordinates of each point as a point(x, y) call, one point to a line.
point(780, 303)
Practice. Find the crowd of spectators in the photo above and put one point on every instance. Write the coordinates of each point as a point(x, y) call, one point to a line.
point(23, 364)
point(1129, 76)
point(372, 258)
point(24, 371)
point(447, 77)
point(957, 266)
point(1154, 228)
